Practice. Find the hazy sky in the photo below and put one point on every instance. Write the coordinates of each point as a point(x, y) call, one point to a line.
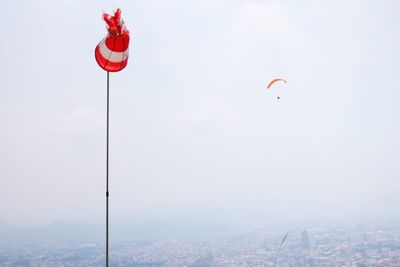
point(194, 132)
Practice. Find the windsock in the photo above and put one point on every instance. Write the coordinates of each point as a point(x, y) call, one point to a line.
point(112, 52)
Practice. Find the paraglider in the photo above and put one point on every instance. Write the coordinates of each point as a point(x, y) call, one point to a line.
point(274, 81)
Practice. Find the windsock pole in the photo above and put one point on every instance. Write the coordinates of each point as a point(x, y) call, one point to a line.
point(112, 56)
point(107, 145)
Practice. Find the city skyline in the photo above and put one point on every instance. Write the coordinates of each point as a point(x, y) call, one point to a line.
point(334, 244)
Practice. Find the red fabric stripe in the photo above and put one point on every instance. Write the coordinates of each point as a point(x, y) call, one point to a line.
point(109, 66)
point(118, 44)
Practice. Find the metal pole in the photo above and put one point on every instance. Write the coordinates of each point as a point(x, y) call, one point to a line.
point(107, 193)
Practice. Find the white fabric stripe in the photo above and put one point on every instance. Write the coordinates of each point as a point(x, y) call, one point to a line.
point(112, 56)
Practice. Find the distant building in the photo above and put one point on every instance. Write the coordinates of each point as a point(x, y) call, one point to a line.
point(305, 240)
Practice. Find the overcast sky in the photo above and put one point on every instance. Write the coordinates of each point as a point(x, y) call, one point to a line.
point(193, 131)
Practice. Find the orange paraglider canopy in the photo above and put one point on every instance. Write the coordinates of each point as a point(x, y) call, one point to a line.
point(274, 81)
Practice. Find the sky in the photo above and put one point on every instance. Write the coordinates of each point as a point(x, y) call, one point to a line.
point(193, 131)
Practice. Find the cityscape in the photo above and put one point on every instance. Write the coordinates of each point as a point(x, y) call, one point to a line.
point(205, 133)
point(327, 245)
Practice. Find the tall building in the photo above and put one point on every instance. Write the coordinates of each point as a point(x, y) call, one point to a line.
point(305, 240)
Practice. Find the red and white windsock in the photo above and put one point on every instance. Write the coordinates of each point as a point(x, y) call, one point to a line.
point(112, 52)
